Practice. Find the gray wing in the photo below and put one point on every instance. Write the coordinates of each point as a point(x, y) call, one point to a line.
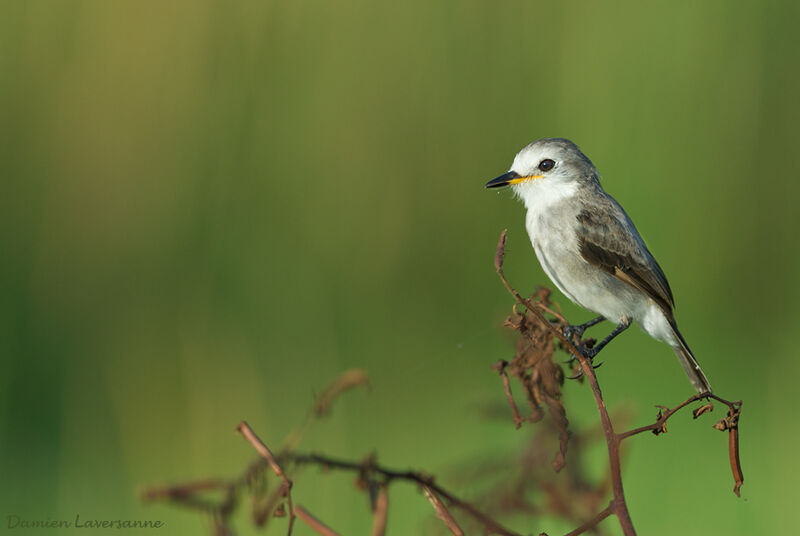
point(616, 247)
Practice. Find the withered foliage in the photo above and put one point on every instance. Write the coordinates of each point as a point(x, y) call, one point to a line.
point(538, 306)
point(219, 499)
point(502, 484)
point(539, 374)
point(269, 498)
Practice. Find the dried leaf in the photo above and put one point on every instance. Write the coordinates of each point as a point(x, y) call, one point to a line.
point(534, 367)
point(500, 251)
point(705, 408)
point(731, 423)
point(347, 380)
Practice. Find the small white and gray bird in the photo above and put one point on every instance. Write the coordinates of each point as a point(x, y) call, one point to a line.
point(590, 249)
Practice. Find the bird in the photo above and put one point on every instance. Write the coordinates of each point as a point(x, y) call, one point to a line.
point(589, 247)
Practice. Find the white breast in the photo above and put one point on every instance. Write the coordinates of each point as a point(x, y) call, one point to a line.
point(546, 225)
point(545, 204)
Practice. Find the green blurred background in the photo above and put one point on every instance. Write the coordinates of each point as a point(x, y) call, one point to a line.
point(208, 209)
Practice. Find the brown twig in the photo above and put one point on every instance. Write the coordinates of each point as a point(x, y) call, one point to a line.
point(541, 378)
point(659, 426)
point(442, 512)
point(381, 512)
point(736, 465)
point(252, 478)
point(490, 525)
point(348, 380)
point(500, 367)
point(592, 523)
point(322, 403)
point(730, 423)
point(264, 452)
point(318, 526)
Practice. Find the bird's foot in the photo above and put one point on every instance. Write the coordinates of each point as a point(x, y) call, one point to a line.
point(571, 330)
point(589, 352)
point(585, 347)
point(589, 349)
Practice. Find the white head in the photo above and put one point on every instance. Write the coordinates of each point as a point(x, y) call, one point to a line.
point(547, 164)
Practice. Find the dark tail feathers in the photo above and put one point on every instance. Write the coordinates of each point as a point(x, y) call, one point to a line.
point(690, 364)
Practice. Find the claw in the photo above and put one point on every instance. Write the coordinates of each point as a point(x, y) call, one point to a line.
point(597, 366)
point(576, 376)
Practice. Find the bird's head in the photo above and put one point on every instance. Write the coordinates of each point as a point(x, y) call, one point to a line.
point(549, 161)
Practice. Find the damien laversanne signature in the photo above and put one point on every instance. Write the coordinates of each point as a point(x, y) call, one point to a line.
point(18, 522)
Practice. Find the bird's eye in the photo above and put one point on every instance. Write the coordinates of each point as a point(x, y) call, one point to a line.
point(546, 164)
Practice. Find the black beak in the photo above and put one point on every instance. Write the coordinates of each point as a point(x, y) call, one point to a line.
point(502, 180)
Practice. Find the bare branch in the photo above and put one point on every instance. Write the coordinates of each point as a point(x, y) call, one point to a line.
point(314, 523)
point(265, 453)
point(736, 466)
point(263, 507)
point(442, 512)
point(490, 525)
point(500, 367)
point(592, 523)
point(381, 512)
point(659, 426)
point(730, 423)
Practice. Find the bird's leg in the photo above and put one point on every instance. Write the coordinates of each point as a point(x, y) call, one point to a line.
point(622, 326)
point(592, 352)
point(578, 330)
point(571, 330)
